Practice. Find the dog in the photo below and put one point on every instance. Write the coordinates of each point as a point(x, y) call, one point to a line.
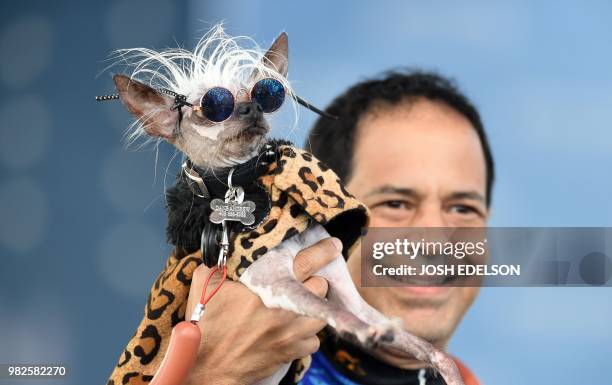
point(211, 105)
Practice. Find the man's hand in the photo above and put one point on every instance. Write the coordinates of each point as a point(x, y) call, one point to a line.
point(242, 340)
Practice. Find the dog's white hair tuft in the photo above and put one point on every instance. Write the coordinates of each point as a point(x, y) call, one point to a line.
point(217, 60)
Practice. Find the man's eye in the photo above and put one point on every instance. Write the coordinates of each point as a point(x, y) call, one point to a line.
point(464, 209)
point(395, 204)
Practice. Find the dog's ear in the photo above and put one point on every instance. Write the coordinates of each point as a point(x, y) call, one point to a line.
point(148, 105)
point(277, 56)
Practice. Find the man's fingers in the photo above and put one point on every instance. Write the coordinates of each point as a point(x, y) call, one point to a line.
point(197, 284)
point(314, 258)
point(307, 347)
point(317, 285)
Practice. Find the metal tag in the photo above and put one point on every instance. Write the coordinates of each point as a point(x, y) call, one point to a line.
point(232, 211)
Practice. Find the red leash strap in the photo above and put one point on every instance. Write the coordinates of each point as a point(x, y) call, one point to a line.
point(185, 341)
point(204, 300)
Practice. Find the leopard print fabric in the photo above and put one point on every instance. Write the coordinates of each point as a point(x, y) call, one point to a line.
point(301, 189)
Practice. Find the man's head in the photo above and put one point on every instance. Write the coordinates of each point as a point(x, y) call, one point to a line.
point(413, 149)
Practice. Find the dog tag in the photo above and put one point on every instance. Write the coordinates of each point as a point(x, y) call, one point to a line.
point(232, 211)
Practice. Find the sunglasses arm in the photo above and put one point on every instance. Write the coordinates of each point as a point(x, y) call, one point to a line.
point(314, 109)
point(179, 100)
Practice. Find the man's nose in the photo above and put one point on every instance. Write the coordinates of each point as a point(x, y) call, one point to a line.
point(249, 110)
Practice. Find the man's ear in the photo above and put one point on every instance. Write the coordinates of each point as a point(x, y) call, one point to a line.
point(148, 105)
point(277, 56)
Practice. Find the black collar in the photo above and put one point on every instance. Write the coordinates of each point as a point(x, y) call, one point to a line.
point(188, 213)
point(245, 174)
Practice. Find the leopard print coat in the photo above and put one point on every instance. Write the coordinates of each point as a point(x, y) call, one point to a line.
point(300, 189)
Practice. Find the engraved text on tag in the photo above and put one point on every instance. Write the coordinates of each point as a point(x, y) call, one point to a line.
point(232, 211)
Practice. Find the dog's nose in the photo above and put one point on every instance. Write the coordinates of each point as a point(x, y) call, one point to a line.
point(249, 110)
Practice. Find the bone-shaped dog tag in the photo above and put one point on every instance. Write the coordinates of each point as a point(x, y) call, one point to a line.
point(232, 211)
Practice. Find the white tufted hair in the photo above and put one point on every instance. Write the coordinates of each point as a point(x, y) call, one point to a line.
point(217, 60)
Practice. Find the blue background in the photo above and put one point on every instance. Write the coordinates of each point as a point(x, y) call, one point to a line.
point(82, 229)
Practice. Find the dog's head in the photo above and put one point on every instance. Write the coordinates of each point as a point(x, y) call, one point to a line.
point(218, 61)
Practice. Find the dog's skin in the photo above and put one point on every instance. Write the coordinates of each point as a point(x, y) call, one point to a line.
point(212, 146)
point(271, 278)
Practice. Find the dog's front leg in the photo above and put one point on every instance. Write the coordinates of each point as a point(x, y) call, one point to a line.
point(271, 278)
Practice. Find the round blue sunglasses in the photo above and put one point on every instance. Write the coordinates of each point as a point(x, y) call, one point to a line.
point(218, 103)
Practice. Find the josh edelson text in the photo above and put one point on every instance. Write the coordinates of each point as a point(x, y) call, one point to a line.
point(424, 259)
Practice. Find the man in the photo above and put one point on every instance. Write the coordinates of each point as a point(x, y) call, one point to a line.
point(418, 157)
point(413, 149)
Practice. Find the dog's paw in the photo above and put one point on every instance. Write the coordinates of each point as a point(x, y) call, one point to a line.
point(383, 332)
point(369, 336)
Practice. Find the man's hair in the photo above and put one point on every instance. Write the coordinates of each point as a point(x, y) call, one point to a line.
point(333, 141)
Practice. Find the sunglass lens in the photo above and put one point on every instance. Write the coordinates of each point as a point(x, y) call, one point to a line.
point(269, 93)
point(217, 104)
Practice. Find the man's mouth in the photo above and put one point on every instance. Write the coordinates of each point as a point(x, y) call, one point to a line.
point(426, 280)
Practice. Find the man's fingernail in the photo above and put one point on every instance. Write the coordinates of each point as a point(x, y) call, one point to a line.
point(337, 243)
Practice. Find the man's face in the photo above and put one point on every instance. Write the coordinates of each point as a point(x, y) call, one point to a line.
point(419, 164)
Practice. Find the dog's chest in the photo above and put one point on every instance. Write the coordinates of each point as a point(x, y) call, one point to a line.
point(289, 193)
